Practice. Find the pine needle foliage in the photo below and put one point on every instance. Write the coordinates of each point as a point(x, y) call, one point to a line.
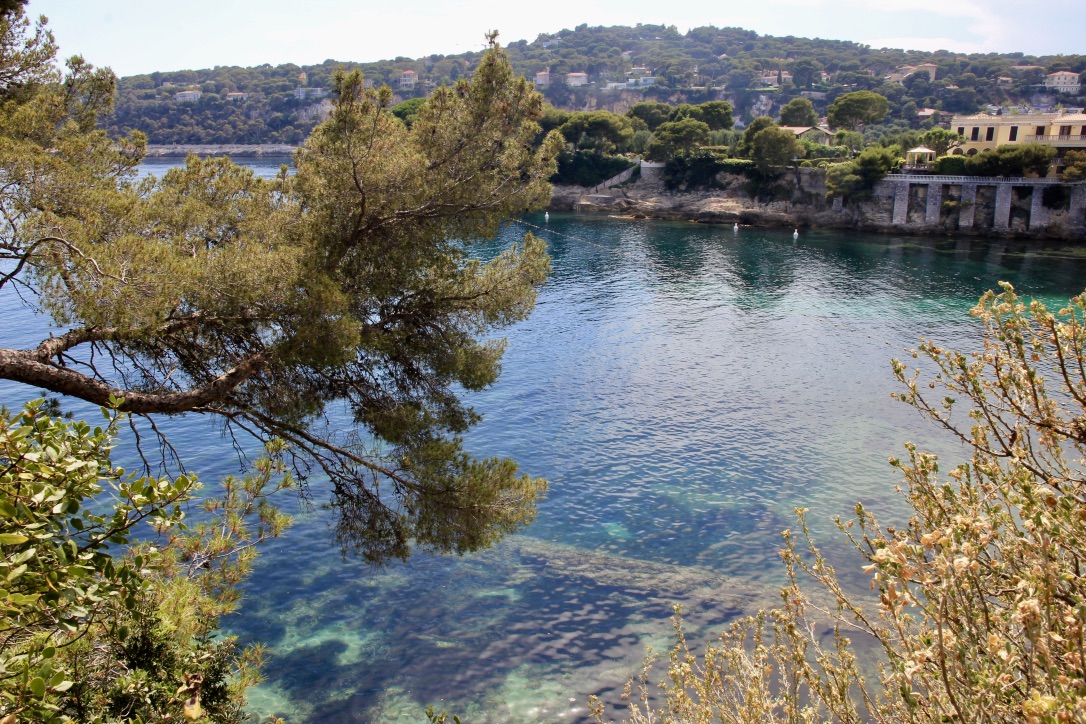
point(277, 306)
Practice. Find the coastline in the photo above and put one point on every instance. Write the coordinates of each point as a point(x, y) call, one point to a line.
point(180, 150)
point(806, 207)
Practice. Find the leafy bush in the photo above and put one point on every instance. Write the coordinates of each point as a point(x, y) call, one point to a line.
point(1011, 161)
point(981, 608)
point(93, 630)
point(700, 168)
point(857, 179)
point(949, 166)
point(1074, 168)
point(673, 137)
point(578, 168)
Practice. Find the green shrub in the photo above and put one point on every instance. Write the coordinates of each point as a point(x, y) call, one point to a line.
point(93, 630)
point(949, 166)
point(700, 168)
point(579, 168)
point(857, 178)
point(1011, 161)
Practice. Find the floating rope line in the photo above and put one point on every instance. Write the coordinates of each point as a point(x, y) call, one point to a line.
point(564, 236)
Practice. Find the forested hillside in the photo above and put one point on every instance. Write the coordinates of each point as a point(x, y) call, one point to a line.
point(281, 104)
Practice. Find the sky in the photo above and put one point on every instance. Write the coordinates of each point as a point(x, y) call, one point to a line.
point(141, 36)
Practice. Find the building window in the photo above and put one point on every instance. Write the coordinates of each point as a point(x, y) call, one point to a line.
point(1040, 131)
point(975, 135)
point(989, 134)
point(961, 131)
point(1065, 131)
point(1014, 133)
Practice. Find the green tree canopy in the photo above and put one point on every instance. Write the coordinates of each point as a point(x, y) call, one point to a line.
point(1074, 168)
point(805, 73)
point(854, 110)
point(1011, 161)
point(652, 113)
point(941, 140)
point(717, 115)
point(602, 131)
point(677, 136)
point(856, 179)
point(408, 110)
point(773, 149)
point(746, 144)
point(799, 112)
point(267, 303)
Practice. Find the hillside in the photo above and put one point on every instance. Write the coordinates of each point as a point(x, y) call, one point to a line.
point(756, 73)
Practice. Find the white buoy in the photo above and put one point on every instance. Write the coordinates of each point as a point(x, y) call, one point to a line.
point(546, 216)
point(736, 228)
point(795, 234)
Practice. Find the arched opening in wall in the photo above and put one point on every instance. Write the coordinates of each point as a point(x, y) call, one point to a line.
point(958, 152)
point(971, 152)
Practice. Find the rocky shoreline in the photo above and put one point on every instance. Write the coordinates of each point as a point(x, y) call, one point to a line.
point(792, 205)
point(180, 150)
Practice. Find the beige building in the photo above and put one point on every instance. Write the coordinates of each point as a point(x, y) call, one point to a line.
point(1063, 131)
point(811, 133)
point(575, 80)
point(543, 78)
point(906, 70)
point(1063, 81)
point(408, 80)
point(928, 68)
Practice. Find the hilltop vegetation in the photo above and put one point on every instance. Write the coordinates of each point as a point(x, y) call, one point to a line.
point(704, 64)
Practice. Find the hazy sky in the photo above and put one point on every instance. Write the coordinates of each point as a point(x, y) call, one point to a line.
point(139, 36)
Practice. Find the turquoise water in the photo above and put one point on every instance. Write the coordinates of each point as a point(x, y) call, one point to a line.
point(682, 388)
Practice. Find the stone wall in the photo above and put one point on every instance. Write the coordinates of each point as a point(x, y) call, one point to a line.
point(900, 204)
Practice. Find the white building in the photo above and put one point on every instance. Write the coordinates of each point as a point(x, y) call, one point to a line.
point(543, 78)
point(576, 79)
point(188, 95)
point(237, 96)
point(303, 93)
point(1063, 81)
point(408, 80)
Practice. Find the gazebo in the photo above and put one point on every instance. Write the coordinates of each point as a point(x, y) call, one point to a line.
point(919, 156)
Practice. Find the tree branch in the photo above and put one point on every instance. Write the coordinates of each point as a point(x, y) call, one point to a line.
point(25, 366)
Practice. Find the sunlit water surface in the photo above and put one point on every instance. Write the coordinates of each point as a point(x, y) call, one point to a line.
point(683, 388)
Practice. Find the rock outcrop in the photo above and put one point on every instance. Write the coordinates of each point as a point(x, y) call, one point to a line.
point(900, 204)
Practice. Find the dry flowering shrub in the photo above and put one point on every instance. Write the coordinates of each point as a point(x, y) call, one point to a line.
point(981, 598)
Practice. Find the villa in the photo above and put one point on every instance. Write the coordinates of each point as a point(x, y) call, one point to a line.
point(1063, 81)
point(1063, 131)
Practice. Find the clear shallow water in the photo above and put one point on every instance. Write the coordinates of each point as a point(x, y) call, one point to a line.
point(682, 388)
